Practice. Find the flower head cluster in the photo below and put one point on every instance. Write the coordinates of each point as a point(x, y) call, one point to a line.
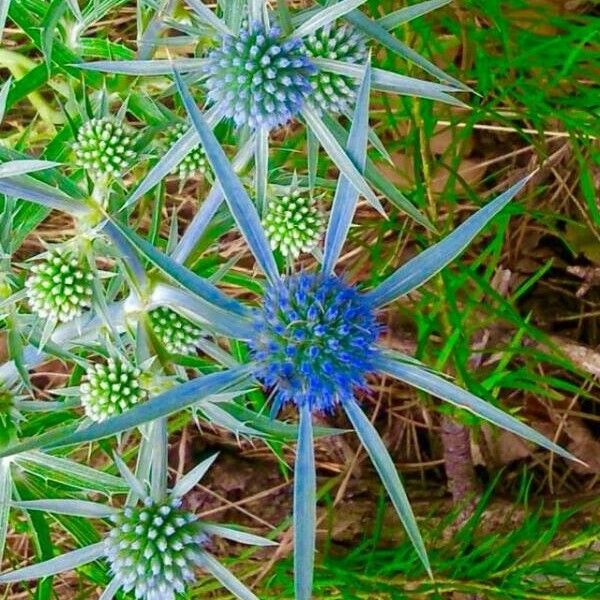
point(194, 161)
point(314, 340)
point(177, 334)
point(333, 92)
point(153, 549)
point(103, 148)
point(110, 389)
point(293, 223)
point(60, 286)
point(259, 78)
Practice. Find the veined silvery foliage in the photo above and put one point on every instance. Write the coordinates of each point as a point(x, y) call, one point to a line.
point(154, 547)
point(314, 336)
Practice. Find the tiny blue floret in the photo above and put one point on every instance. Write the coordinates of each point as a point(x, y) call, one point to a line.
point(259, 78)
point(314, 341)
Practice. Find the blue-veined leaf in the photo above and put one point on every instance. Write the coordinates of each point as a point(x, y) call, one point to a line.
point(374, 30)
point(305, 509)
point(74, 474)
point(129, 260)
point(209, 207)
point(212, 316)
point(382, 461)
point(236, 535)
point(35, 191)
point(346, 195)
point(65, 562)
point(111, 590)
point(431, 261)
point(135, 485)
point(240, 205)
point(6, 85)
point(408, 13)
point(338, 156)
point(325, 16)
point(173, 400)
point(186, 483)
point(227, 579)
point(186, 278)
point(387, 81)
point(68, 506)
point(144, 67)
point(206, 15)
point(5, 495)
point(176, 153)
point(439, 387)
point(22, 167)
point(214, 413)
point(159, 442)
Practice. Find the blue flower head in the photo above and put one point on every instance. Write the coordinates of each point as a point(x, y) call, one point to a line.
point(259, 78)
point(314, 340)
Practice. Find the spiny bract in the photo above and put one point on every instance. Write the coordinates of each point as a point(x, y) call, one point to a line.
point(333, 92)
point(314, 340)
point(259, 78)
point(293, 223)
point(110, 389)
point(60, 287)
point(194, 161)
point(177, 334)
point(154, 549)
point(103, 148)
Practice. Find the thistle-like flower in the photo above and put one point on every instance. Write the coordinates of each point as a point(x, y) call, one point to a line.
point(60, 287)
point(333, 92)
point(103, 148)
point(259, 78)
point(154, 549)
point(315, 341)
point(111, 389)
point(194, 161)
point(177, 334)
point(293, 223)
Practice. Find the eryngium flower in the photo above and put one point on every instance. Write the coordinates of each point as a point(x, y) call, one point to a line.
point(110, 389)
point(103, 148)
point(314, 340)
point(60, 287)
point(293, 223)
point(332, 92)
point(154, 549)
point(177, 334)
point(194, 161)
point(259, 78)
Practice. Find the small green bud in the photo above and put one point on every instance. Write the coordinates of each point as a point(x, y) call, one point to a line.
point(103, 148)
point(111, 389)
point(177, 334)
point(153, 549)
point(293, 223)
point(194, 161)
point(60, 286)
